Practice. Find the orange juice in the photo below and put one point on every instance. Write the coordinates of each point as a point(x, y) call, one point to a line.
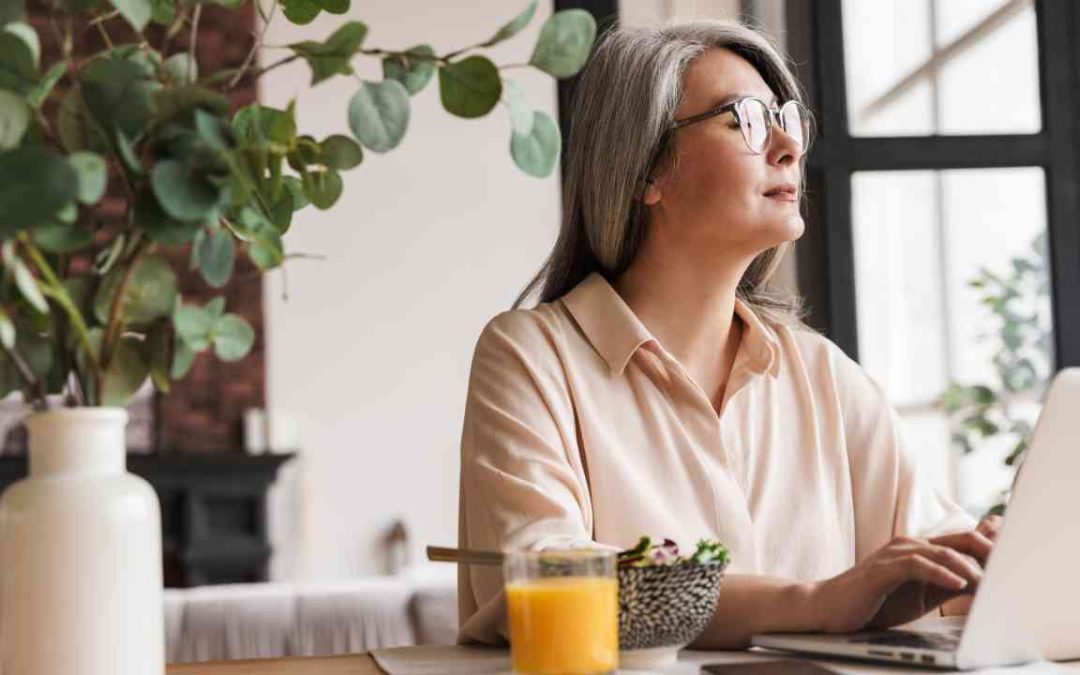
point(564, 624)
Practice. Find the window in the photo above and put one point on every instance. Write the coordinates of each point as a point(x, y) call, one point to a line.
point(942, 243)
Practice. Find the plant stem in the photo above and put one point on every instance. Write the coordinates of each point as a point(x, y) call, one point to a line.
point(33, 384)
point(55, 290)
point(114, 325)
point(191, 42)
point(254, 47)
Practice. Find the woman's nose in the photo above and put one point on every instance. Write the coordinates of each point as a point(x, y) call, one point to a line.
point(783, 148)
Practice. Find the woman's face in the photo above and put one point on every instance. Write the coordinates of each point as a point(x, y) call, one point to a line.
point(718, 197)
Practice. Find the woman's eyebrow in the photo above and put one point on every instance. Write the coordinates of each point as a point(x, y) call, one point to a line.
point(772, 101)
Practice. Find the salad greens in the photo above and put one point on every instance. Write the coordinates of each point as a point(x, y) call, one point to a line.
point(648, 554)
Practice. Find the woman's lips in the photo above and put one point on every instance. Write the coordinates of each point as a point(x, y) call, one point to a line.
point(783, 195)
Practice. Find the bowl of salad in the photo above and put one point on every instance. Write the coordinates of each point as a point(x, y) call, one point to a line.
point(666, 598)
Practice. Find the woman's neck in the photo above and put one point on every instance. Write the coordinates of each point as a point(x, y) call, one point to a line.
point(689, 305)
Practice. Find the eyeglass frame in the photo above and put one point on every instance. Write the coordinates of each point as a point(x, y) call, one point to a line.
point(732, 107)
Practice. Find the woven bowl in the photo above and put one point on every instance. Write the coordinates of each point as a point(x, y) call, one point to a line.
point(663, 608)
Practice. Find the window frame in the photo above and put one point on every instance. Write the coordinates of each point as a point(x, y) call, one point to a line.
point(825, 253)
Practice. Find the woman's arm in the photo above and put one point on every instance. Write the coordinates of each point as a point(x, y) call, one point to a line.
point(752, 604)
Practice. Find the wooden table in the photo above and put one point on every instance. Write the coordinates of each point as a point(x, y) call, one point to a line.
point(355, 664)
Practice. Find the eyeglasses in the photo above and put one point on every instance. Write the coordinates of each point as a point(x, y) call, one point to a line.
point(756, 121)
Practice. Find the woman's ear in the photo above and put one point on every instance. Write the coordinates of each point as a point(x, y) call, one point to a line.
point(652, 193)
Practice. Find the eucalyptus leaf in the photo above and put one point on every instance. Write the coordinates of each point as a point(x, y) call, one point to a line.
point(263, 127)
point(160, 227)
point(39, 92)
point(180, 68)
point(149, 294)
point(295, 188)
point(7, 330)
point(322, 187)
point(514, 26)
point(565, 42)
point(183, 358)
point(193, 325)
point(93, 175)
point(136, 12)
point(411, 69)
point(158, 351)
point(127, 371)
point(379, 115)
point(29, 36)
point(217, 255)
point(62, 237)
point(537, 152)
point(14, 119)
point(78, 128)
point(341, 153)
point(471, 87)
point(215, 308)
point(521, 115)
point(332, 56)
point(162, 12)
point(118, 93)
point(18, 72)
point(32, 170)
point(300, 11)
point(182, 193)
point(28, 286)
point(333, 6)
point(233, 338)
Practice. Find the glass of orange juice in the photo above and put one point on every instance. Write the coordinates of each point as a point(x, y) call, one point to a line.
point(564, 611)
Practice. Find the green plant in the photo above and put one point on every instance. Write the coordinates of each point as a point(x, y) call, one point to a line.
point(983, 411)
point(89, 307)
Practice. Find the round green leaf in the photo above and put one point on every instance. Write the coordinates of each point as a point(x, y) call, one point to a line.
point(78, 128)
point(333, 6)
point(160, 228)
point(162, 12)
point(233, 338)
point(118, 93)
point(181, 193)
point(471, 87)
point(537, 152)
point(564, 43)
point(512, 28)
point(29, 36)
point(32, 171)
point(150, 293)
point(137, 12)
point(183, 358)
point(93, 175)
point(341, 153)
point(193, 326)
point(410, 71)
point(295, 188)
point(322, 187)
point(300, 11)
point(180, 69)
point(14, 118)
point(28, 286)
point(521, 115)
point(62, 237)
point(18, 72)
point(333, 56)
point(217, 255)
point(127, 371)
point(379, 114)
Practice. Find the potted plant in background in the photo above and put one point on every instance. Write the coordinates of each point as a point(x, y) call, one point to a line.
point(89, 306)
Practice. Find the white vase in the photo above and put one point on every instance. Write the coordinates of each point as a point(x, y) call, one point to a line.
point(80, 554)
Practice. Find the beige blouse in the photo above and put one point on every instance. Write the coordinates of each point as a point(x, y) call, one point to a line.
point(580, 427)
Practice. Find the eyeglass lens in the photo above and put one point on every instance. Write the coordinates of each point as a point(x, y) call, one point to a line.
point(755, 121)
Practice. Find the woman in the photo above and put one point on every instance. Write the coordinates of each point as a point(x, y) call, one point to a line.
point(661, 388)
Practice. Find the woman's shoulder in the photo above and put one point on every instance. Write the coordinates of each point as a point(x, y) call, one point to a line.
point(824, 358)
point(535, 331)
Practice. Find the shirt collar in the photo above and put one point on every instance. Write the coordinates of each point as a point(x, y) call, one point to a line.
point(616, 332)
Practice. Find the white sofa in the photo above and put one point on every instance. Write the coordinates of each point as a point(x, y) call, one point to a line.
point(308, 619)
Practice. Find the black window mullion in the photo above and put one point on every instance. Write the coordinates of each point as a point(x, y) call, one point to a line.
point(1059, 91)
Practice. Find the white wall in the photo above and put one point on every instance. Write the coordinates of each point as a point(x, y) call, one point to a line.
point(371, 350)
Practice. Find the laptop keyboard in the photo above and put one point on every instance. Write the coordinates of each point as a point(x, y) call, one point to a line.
point(916, 640)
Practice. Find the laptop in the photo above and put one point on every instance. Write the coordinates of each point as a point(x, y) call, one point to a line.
point(1027, 606)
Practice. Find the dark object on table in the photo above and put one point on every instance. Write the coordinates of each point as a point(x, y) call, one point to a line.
point(213, 513)
point(767, 668)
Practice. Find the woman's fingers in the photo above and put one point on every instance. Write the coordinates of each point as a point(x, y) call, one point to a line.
point(989, 526)
point(974, 543)
point(962, 564)
point(917, 567)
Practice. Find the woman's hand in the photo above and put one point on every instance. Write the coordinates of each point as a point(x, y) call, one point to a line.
point(903, 580)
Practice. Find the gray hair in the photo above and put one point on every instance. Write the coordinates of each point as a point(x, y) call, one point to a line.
point(626, 100)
